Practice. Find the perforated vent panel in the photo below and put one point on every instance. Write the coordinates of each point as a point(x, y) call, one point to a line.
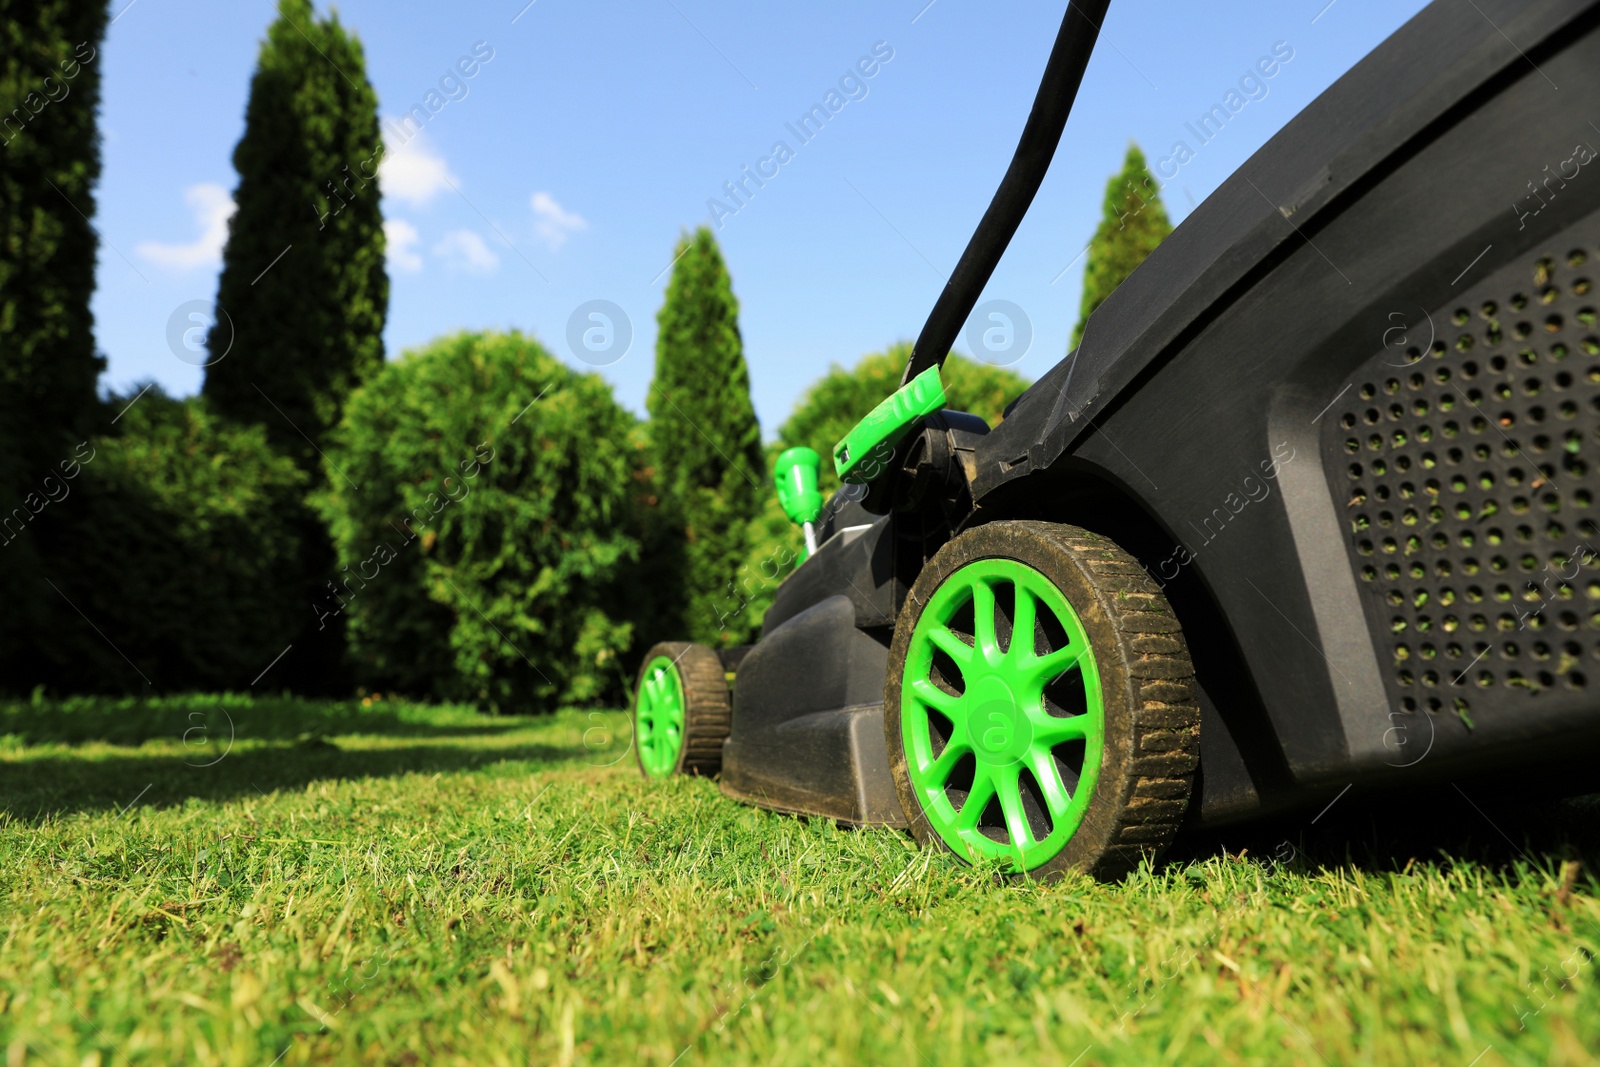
point(1467, 474)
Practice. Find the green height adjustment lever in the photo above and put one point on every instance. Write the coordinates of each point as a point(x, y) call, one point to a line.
point(864, 453)
point(796, 474)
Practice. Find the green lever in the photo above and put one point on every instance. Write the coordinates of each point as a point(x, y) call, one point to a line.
point(796, 474)
point(864, 453)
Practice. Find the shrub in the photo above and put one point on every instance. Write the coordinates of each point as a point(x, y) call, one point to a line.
point(172, 540)
point(482, 499)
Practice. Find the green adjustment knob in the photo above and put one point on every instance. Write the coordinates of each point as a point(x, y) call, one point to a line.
point(796, 475)
point(864, 453)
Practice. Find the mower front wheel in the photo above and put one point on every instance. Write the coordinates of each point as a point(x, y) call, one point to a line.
point(681, 710)
point(1040, 706)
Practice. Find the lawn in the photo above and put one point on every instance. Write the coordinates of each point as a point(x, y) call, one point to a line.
point(212, 880)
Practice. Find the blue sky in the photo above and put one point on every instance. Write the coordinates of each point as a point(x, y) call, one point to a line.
point(563, 171)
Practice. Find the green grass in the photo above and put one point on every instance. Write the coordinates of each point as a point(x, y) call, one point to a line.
point(399, 884)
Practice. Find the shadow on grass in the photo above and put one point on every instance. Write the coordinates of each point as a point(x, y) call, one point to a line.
point(32, 790)
point(198, 719)
point(1444, 826)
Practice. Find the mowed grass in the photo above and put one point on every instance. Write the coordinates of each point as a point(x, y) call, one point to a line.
point(220, 881)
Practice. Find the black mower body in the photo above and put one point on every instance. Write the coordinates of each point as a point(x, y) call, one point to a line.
point(1347, 416)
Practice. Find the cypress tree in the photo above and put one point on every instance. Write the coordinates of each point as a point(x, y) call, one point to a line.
point(49, 163)
point(303, 277)
point(705, 439)
point(1132, 222)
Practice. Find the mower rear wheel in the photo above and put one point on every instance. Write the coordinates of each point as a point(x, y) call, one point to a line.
point(681, 710)
point(1070, 748)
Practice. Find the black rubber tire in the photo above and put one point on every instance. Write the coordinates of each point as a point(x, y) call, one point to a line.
point(708, 706)
point(1152, 729)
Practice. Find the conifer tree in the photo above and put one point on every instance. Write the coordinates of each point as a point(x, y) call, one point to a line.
point(303, 277)
point(705, 438)
point(49, 163)
point(1133, 222)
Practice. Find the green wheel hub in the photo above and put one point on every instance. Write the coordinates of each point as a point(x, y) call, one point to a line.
point(659, 718)
point(1001, 715)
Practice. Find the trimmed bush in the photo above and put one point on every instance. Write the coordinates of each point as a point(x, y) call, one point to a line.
point(178, 528)
point(483, 500)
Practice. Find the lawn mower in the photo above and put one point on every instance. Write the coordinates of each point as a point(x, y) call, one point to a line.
point(1312, 505)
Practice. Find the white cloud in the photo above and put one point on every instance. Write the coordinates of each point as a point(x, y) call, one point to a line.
point(412, 172)
point(400, 237)
point(465, 250)
point(212, 207)
point(552, 222)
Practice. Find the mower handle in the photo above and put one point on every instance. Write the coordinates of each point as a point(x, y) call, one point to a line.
point(1040, 136)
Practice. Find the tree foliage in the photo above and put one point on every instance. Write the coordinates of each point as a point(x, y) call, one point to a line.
point(183, 524)
point(484, 501)
point(705, 440)
point(1133, 222)
point(303, 277)
point(49, 163)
